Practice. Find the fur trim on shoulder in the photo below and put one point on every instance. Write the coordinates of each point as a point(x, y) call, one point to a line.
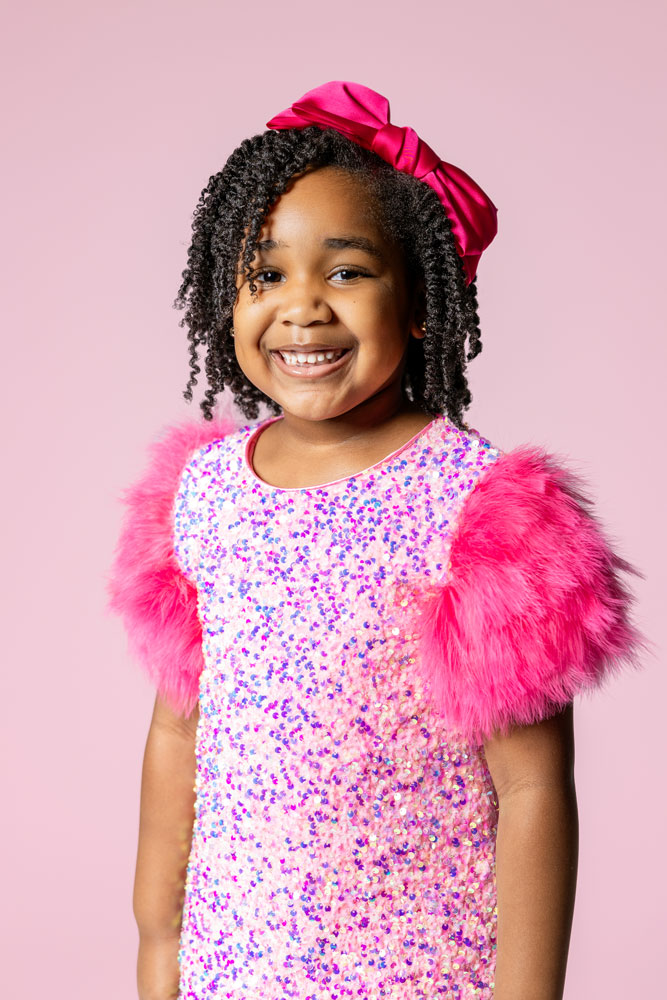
point(146, 586)
point(534, 609)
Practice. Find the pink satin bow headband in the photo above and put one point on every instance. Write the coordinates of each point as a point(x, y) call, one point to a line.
point(362, 115)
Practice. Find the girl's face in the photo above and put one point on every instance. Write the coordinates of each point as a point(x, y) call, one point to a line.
point(327, 280)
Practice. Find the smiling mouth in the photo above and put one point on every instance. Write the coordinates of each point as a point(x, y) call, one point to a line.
point(310, 363)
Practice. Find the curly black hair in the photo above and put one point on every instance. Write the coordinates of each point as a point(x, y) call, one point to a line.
point(233, 207)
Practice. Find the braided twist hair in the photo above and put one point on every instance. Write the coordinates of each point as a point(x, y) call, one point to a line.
point(233, 207)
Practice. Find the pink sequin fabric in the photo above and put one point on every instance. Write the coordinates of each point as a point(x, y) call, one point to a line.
point(344, 840)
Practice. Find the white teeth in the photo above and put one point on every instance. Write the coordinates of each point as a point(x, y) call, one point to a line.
point(311, 358)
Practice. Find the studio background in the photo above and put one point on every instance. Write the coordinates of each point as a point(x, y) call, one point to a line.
point(115, 117)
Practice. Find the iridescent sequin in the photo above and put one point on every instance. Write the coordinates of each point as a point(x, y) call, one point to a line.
point(344, 840)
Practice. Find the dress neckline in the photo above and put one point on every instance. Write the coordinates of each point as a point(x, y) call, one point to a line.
point(254, 436)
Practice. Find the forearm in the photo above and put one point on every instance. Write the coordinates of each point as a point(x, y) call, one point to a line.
point(536, 870)
point(165, 834)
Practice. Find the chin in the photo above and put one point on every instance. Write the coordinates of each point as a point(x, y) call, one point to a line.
point(309, 408)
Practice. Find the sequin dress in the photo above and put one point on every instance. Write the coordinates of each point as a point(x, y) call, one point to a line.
point(344, 840)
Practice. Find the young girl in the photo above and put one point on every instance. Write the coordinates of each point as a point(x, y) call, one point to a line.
point(366, 622)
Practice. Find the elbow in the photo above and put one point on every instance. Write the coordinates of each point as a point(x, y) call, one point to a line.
point(156, 922)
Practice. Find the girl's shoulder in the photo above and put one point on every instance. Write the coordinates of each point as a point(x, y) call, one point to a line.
point(516, 486)
point(184, 445)
point(462, 448)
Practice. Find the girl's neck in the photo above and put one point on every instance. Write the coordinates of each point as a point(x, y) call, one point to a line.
point(292, 454)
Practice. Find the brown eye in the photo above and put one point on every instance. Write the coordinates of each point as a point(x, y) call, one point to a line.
point(262, 272)
point(350, 270)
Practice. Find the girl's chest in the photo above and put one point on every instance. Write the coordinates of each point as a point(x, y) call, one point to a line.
point(313, 603)
point(349, 545)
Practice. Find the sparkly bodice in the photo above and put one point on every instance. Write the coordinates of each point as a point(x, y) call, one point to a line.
point(344, 840)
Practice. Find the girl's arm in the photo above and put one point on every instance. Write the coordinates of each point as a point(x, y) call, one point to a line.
point(536, 856)
point(534, 610)
point(165, 836)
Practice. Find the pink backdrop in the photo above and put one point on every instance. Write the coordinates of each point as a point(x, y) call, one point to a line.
point(116, 116)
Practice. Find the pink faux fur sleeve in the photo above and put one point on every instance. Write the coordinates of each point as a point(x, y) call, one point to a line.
point(534, 609)
point(146, 586)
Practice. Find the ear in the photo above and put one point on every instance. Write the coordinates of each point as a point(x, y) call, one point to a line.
point(418, 310)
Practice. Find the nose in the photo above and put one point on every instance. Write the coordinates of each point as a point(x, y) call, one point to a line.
point(304, 303)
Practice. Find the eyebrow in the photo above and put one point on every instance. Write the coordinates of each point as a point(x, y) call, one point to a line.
point(332, 243)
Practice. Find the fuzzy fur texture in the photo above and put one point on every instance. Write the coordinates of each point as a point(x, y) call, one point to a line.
point(534, 609)
point(146, 586)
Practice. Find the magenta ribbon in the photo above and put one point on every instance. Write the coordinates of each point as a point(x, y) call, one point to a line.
point(362, 115)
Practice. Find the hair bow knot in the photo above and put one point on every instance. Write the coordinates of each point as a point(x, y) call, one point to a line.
point(403, 148)
point(362, 115)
